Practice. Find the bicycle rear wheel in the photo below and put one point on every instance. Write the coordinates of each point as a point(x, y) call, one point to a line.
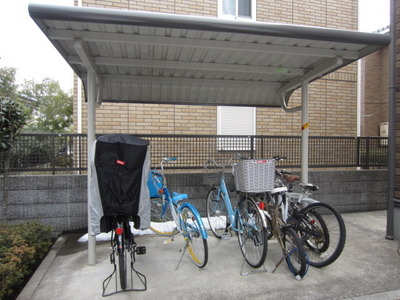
point(252, 234)
point(324, 233)
point(295, 255)
point(119, 236)
point(197, 244)
point(162, 222)
point(216, 212)
point(122, 263)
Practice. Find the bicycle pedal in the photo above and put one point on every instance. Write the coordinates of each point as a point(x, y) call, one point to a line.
point(140, 250)
point(226, 236)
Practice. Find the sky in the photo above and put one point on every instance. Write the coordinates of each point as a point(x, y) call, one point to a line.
point(24, 46)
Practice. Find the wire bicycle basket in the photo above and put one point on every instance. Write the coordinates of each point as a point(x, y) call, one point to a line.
point(255, 175)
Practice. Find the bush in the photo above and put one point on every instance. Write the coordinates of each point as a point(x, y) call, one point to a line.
point(21, 248)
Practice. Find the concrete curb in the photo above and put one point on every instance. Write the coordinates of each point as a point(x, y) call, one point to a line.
point(34, 282)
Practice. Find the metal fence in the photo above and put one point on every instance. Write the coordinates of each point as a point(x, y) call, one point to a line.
point(63, 153)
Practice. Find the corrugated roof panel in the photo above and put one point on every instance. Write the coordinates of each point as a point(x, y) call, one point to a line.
point(161, 58)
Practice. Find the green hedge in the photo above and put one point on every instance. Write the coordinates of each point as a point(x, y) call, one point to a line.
point(22, 247)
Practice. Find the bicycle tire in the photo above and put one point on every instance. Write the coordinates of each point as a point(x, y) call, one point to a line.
point(295, 255)
point(323, 232)
point(252, 233)
point(122, 268)
point(197, 244)
point(163, 225)
point(216, 212)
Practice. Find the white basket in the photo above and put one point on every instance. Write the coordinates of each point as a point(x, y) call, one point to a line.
point(255, 175)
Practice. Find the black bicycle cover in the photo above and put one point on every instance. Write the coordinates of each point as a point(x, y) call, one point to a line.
point(119, 163)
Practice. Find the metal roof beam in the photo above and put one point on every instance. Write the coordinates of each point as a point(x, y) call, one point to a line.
point(90, 66)
point(192, 81)
point(184, 65)
point(320, 69)
point(123, 38)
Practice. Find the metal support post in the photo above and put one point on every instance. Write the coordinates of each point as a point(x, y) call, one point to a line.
point(90, 139)
point(392, 123)
point(304, 131)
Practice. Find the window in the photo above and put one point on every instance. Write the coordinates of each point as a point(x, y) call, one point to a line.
point(237, 9)
point(235, 120)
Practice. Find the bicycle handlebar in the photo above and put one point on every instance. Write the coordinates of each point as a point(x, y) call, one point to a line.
point(278, 157)
point(167, 159)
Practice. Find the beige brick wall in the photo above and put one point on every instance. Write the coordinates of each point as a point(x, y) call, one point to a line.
point(374, 92)
point(333, 99)
point(325, 13)
point(192, 7)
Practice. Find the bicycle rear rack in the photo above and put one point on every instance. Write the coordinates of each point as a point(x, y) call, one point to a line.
point(140, 277)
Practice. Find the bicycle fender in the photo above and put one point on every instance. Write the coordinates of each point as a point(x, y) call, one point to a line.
point(308, 200)
point(197, 215)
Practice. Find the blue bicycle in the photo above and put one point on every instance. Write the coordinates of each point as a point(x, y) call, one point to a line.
point(246, 219)
point(170, 216)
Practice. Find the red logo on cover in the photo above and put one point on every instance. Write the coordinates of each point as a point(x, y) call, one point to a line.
point(120, 162)
point(260, 161)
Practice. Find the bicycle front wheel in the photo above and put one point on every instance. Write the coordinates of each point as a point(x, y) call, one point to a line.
point(162, 222)
point(324, 233)
point(252, 234)
point(294, 253)
point(216, 212)
point(192, 227)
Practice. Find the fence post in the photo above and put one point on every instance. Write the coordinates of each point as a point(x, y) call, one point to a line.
point(367, 152)
point(358, 157)
point(262, 139)
point(53, 160)
point(251, 147)
point(80, 153)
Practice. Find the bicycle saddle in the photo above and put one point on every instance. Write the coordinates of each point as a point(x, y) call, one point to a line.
point(290, 178)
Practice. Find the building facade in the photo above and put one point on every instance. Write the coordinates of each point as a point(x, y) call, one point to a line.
point(332, 99)
point(374, 93)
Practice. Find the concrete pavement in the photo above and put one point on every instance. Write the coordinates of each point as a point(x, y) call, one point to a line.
point(369, 268)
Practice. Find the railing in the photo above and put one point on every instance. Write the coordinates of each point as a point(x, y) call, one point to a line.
point(59, 153)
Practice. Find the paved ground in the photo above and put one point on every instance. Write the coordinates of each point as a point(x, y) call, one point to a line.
point(369, 268)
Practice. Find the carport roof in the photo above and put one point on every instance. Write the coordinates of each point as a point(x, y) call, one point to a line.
point(146, 57)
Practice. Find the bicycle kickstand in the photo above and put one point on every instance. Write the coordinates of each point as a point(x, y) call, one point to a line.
point(279, 263)
point(183, 250)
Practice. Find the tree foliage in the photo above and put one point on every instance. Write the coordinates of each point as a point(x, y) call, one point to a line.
point(12, 117)
point(50, 107)
point(8, 88)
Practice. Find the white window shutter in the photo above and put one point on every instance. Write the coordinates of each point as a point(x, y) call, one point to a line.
point(235, 120)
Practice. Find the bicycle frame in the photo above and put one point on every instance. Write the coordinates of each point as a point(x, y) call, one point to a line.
point(301, 198)
point(291, 197)
point(176, 207)
point(228, 204)
point(232, 213)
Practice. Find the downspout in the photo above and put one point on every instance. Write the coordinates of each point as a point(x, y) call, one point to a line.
point(286, 108)
point(392, 123)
